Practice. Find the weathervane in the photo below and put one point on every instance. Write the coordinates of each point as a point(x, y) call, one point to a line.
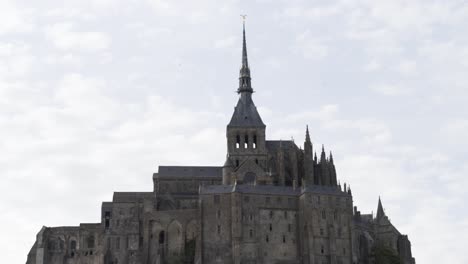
point(243, 18)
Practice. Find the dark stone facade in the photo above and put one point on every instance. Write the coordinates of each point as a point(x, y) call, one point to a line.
point(271, 202)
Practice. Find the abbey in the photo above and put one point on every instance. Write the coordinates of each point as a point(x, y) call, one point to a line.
point(271, 202)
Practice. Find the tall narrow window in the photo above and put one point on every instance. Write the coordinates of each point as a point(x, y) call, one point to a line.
point(254, 145)
point(335, 215)
point(271, 214)
point(322, 249)
point(251, 233)
point(91, 241)
point(161, 237)
point(267, 239)
point(271, 227)
point(285, 214)
point(284, 239)
point(237, 141)
point(289, 227)
point(246, 141)
point(324, 215)
point(73, 245)
point(219, 229)
point(107, 219)
point(237, 163)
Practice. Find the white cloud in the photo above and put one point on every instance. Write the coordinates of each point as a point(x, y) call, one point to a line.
point(15, 19)
point(227, 42)
point(391, 89)
point(310, 46)
point(65, 38)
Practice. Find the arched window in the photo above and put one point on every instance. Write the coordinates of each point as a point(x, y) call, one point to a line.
point(246, 141)
point(90, 241)
point(161, 237)
point(254, 145)
point(237, 141)
point(73, 245)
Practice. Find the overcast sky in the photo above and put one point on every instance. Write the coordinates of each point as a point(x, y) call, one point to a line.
point(95, 94)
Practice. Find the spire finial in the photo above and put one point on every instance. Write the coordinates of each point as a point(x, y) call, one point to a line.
point(244, 76)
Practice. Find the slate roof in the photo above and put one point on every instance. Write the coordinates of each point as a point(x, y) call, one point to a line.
point(274, 145)
point(130, 197)
point(254, 189)
point(246, 114)
point(189, 172)
point(269, 189)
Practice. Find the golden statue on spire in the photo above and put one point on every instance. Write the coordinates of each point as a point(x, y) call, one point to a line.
point(243, 18)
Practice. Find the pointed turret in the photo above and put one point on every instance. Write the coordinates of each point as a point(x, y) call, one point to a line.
point(332, 170)
point(380, 211)
point(324, 170)
point(308, 159)
point(322, 155)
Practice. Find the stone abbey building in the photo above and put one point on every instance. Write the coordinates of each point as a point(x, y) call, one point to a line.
point(271, 202)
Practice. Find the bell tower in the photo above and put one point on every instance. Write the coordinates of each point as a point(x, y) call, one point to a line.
point(246, 150)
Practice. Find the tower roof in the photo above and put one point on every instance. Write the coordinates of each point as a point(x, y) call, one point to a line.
point(245, 112)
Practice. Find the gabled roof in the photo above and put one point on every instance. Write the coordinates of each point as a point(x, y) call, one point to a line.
point(189, 172)
point(274, 145)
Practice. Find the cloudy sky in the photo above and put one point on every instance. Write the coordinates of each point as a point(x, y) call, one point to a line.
point(95, 94)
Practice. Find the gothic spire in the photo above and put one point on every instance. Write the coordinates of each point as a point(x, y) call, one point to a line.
point(307, 134)
point(244, 75)
point(245, 113)
point(380, 211)
point(322, 156)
